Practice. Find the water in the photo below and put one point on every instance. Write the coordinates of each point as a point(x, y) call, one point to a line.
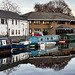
point(46, 67)
point(19, 64)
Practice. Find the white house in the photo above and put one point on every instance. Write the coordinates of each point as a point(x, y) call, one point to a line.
point(12, 24)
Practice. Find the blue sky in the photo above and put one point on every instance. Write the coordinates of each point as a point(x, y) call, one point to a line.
point(28, 5)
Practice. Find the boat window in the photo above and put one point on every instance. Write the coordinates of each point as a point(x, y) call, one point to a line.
point(8, 42)
point(3, 42)
point(52, 38)
point(66, 37)
point(41, 39)
point(45, 38)
point(48, 38)
point(0, 43)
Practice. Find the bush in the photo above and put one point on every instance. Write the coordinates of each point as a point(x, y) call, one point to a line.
point(45, 32)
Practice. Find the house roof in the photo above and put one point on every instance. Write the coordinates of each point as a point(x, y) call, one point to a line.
point(48, 16)
point(63, 27)
point(9, 15)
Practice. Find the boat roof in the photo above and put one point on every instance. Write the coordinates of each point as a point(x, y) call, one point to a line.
point(68, 34)
point(4, 38)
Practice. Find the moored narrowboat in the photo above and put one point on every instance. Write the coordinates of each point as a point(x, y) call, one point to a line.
point(47, 39)
point(5, 45)
point(23, 46)
point(67, 38)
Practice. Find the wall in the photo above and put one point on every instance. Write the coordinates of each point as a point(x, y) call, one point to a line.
point(21, 26)
point(51, 30)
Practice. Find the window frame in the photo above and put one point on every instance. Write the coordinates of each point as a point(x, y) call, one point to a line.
point(2, 20)
point(30, 31)
point(37, 22)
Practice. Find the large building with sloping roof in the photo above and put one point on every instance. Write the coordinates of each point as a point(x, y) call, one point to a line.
point(40, 21)
point(12, 24)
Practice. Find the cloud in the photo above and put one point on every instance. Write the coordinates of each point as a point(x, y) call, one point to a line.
point(73, 12)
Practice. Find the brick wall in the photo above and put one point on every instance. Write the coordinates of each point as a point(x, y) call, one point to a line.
point(51, 30)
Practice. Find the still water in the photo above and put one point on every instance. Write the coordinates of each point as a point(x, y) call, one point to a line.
point(46, 65)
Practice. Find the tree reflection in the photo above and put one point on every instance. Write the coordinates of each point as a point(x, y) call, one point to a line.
point(53, 63)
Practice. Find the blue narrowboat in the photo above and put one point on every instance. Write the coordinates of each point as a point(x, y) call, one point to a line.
point(23, 46)
point(5, 45)
point(48, 38)
point(43, 52)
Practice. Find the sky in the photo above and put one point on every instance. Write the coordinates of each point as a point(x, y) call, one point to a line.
point(28, 5)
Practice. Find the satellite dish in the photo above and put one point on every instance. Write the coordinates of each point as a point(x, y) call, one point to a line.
point(51, 26)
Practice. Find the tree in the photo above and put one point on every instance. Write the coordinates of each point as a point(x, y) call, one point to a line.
point(54, 6)
point(9, 6)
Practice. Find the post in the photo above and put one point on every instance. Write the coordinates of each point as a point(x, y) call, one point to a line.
point(25, 34)
point(7, 28)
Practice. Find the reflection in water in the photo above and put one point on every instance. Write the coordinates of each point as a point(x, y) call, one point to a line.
point(8, 64)
point(42, 63)
point(17, 62)
point(53, 63)
point(67, 46)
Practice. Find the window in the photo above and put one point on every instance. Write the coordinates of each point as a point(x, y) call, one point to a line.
point(48, 38)
point(52, 38)
point(45, 22)
point(12, 32)
point(8, 42)
point(0, 43)
point(2, 21)
point(16, 22)
point(6, 21)
point(30, 22)
point(72, 22)
point(16, 31)
point(74, 30)
point(46, 29)
point(12, 21)
point(37, 29)
point(61, 22)
point(36, 22)
point(41, 39)
point(30, 30)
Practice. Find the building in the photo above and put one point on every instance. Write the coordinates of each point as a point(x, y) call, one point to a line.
point(40, 21)
point(11, 24)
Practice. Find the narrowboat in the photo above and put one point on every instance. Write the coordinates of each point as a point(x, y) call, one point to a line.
point(22, 46)
point(47, 40)
point(15, 58)
point(19, 48)
point(5, 46)
point(20, 56)
point(67, 38)
point(40, 52)
point(67, 46)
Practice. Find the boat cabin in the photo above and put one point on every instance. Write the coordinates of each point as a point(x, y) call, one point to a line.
point(68, 38)
point(5, 44)
point(48, 38)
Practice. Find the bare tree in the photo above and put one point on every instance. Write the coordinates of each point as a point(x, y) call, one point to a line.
point(58, 6)
point(9, 6)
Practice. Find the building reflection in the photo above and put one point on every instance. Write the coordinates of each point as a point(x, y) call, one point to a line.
point(56, 60)
point(8, 63)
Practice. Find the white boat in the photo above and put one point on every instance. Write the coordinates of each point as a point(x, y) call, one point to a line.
point(25, 42)
point(44, 45)
point(47, 43)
